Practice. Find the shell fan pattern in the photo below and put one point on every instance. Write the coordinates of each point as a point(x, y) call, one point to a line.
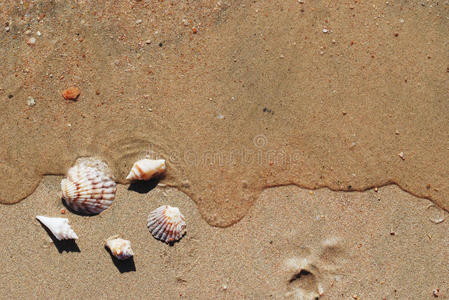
point(88, 189)
point(167, 224)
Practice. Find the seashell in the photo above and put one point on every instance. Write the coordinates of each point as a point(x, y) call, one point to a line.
point(59, 227)
point(87, 188)
point(120, 248)
point(166, 223)
point(146, 169)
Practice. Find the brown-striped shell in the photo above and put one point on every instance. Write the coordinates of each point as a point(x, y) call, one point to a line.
point(145, 169)
point(167, 224)
point(88, 189)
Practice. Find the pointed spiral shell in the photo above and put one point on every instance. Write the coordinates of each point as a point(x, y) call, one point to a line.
point(145, 169)
point(166, 223)
point(88, 189)
point(59, 227)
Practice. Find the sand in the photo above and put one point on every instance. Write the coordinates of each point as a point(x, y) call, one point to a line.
point(372, 245)
point(249, 102)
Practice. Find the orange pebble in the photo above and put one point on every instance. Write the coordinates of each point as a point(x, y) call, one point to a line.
point(71, 93)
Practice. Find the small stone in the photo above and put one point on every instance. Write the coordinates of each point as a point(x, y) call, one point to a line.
point(353, 144)
point(71, 93)
point(401, 155)
point(396, 132)
point(28, 32)
point(7, 28)
point(301, 1)
point(148, 42)
point(376, 189)
point(31, 41)
point(325, 30)
point(31, 101)
point(194, 30)
point(139, 21)
point(401, 21)
point(38, 33)
point(220, 117)
point(281, 56)
point(185, 22)
point(436, 293)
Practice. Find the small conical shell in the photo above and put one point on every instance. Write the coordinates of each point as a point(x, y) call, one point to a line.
point(166, 223)
point(120, 248)
point(88, 189)
point(59, 227)
point(146, 169)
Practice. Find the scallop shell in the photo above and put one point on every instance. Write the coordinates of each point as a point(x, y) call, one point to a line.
point(146, 169)
point(120, 248)
point(166, 223)
point(59, 227)
point(88, 189)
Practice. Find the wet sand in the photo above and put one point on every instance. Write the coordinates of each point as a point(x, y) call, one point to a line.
point(240, 98)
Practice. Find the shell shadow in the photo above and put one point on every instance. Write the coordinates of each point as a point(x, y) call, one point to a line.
point(142, 186)
point(122, 266)
point(64, 245)
point(76, 212)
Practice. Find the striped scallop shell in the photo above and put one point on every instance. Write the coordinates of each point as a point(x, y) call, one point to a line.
point(120, 248)
point(167, 224)
point(88, 189)
point(146, 169)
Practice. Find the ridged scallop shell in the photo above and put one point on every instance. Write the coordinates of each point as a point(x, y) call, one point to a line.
point(88, 189)
point(166, 223)
point(59, 227)
point(146, 169)
point(120, 248)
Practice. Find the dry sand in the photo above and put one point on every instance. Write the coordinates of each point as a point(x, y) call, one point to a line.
point(240, 97)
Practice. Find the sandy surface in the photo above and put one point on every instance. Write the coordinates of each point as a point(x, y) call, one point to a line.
point(370, 245)
point(252, 104)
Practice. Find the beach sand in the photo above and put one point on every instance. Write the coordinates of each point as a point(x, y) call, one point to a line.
point(277, 119)
point(370, 245)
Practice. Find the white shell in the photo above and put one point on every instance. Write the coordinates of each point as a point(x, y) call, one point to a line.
point(88, 189)
point(120, 248)
point(166, 223)
point(59, 227)
point(146, 169)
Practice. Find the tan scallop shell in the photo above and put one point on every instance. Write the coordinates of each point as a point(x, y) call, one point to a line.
point(120, 248)
point(88, 189)
point(145, 169)
point(166, 223)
